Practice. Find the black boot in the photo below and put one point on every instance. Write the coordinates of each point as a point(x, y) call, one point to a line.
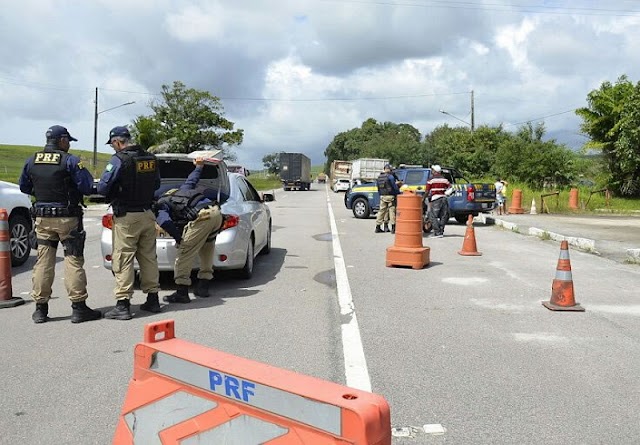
point(179, 296)
point(386, 228)
point(41, 312)
point(81, 313)
point(152, 304)
point(122, 311)
point(378, 229)
point(202, 288)
point(393, 228)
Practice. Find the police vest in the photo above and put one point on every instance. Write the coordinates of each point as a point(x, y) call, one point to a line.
point(384, 186)
point(50, 177)
point(183, 204)
point(137, 179)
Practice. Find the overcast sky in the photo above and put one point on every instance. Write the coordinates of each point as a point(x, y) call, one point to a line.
point(292, 74)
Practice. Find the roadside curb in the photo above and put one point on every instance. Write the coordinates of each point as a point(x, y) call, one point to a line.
point(633, 256)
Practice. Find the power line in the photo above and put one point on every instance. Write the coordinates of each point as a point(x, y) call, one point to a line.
point(543, 117)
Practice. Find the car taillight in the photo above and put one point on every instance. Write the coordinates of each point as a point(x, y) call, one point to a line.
point(107, 221)
point(229, 221)
point(471, 193)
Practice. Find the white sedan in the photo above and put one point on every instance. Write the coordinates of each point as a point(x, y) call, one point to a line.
point(17, 205)
point(341, 185)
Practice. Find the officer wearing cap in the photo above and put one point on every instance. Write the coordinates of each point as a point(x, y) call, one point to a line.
point(129, 182)
point(388, 191)
point(58, 182)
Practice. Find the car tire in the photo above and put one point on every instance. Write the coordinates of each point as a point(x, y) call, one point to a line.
point(461, 219)
point(247, 271)
point(361, 209)
point(267, 247)
point(19, 228)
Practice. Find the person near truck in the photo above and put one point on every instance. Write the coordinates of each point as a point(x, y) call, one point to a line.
point(58, 181)
point(191, 215)
point(129, 182)
point(388, 191)
point(436, 190)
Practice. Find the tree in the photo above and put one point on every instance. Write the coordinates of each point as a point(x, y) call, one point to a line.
point(272, 162)
point(187, 120)
point(146, 131)
point(611, 121)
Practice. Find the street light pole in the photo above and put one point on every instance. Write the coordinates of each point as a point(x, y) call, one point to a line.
point(473, 123)
point(455, 117)
point(95, 126)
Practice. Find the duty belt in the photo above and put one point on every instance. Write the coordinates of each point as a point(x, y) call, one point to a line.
point(56, 212)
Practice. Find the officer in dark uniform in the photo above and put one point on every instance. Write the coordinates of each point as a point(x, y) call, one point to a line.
point(191, 215)
point(129, 183)
point(58, 181)
point(388, 190)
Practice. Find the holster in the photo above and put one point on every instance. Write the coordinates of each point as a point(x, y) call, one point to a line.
point(74, 245)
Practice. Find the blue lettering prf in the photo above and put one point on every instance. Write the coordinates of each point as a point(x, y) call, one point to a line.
point(231, 385)
point(215, 379)
point(247, 390)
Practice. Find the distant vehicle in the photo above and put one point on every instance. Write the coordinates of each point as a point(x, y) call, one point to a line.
point(341, 185)
point(295, 171)
point(231, 168)
point(17, 205)
point(247, 224)
point(322, 178)
point(367, 169)
point(340, 170)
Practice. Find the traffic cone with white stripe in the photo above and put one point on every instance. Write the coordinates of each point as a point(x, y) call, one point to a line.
point(562, 298)
point(469, 247)
point(533, 211)
point(6, 292)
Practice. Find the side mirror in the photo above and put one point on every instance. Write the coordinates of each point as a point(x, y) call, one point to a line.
point(268, 197)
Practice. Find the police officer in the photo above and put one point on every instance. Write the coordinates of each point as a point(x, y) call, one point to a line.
point(191, 215)
point(388, 191)
point(129, 182)
point(58, 182)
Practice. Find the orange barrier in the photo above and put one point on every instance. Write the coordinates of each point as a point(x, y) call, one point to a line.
point(573, 199)
point(516, 202)
point(6, 291)
point(184, 393)
point(469, 247)
point(408, 249)
point(562, 298)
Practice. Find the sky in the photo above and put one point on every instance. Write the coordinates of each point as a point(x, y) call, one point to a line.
point(294, 73)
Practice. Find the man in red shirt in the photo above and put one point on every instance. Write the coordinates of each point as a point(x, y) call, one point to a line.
point(435, 190)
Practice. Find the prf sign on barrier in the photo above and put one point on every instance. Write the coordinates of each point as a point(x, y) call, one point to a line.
point(184, 393)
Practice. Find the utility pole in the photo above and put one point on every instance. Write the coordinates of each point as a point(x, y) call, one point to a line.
point(472, 113)
point(95, 133)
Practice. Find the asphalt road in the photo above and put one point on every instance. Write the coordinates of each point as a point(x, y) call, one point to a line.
point(463, 345)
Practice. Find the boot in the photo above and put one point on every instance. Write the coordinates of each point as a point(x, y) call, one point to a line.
point(378, 229)
point(122, 311)
point(152, 304)
point(202, 288)
point(81, 312)
point(179, 296)
point(393, 228)
point(41, 312)
point(386, 228)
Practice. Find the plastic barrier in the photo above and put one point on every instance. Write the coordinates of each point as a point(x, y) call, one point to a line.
point(469, 247)
point(184, 393)
point(516, 202)
point(562, 298)
point(407, 249)
point(6, 291)
point(573, 199)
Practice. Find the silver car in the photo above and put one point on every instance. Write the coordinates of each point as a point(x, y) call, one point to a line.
point(247, 227)
point(17, 205)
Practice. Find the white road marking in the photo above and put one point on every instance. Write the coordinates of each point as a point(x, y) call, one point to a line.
point(434, 428)
point(465, 281)
point(355, 363)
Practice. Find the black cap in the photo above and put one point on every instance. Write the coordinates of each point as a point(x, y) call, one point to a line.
point(57, 132)
point(119, 132)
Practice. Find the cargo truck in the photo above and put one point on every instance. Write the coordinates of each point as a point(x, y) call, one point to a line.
point(295, 171)
point(367, 169)
point(340, 170)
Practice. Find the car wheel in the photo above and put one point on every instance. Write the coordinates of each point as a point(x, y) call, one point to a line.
point(462, 219)
point(267, 247)
point(19, 227)
point(361, 208)
point(247, 271)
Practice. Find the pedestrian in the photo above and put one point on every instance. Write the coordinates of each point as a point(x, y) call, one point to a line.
point(191, 215)
point(388, 191)
point(129, 182)
point(499, 185)
point(58, 181)
point(437, 190)
point(504, 196)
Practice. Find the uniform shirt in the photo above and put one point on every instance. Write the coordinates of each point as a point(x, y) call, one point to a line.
point(111, 175)
point(391, 179)
point(436, 187)
point(80, 176)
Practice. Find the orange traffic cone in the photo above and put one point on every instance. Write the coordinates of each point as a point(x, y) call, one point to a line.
point(6, 292)
point(562, 298)
point(407, 249)
point(469, 244)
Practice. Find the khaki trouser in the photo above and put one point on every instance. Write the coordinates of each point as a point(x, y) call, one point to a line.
point(387, 211)
point(194, 242)
point(134, 236)
point(75, 278)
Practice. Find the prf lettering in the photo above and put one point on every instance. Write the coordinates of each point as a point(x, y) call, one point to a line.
point(146, 166)
point(233, 387)
point(47, 158)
